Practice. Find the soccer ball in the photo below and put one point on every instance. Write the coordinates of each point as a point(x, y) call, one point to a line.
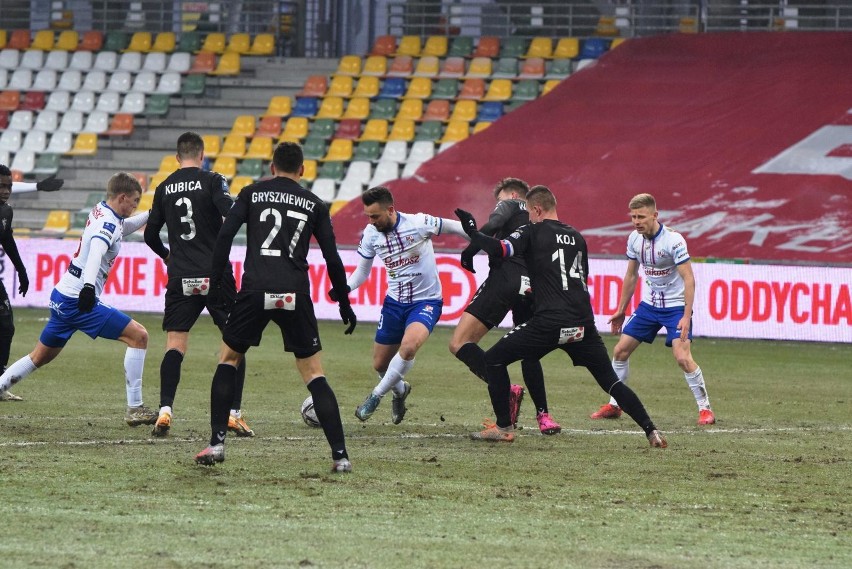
point(309, 415)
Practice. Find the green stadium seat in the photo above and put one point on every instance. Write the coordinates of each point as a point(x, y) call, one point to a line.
point(446, 89)
point(429, 130)
point(462, 46)
point(116, 40)
point(513, 47)
point(322, 128)
point(314, 148)
point(369, 150)
point(526, 90)
point(157, 104)
point(251, 167)
point(193, 84)
point(189, 42)
point(559, 69)
point(332, 170)
point(47, 164)
point(383, 109)
point(506, 68)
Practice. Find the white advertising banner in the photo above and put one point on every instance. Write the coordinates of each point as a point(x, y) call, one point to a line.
point(732, 301)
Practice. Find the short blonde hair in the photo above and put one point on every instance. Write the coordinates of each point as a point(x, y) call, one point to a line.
point(123, 183)
point(643, 200)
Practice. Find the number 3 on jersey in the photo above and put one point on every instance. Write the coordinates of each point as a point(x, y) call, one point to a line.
point(301, 218)
point(576, 270)
point(187, 219)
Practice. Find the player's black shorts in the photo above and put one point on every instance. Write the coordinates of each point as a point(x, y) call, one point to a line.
point(183, 307)
point(5, 305)
point(249, 317)
point(502, 291)
point(539, 336)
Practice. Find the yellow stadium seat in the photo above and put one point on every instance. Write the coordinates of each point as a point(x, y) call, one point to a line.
point(86, 143)
point(410, 109)
point(375, 65)
point(68, 40)
point(280, 106)
point(340, 86)
point(376, 129)
point(464, 111)
point(403, 129)
point(226, 165)
point(43, 40)
point(165, 42)
point(229, 64)
point(606, 26)
point(157, 179)
point(340, 150)
point(567, 48)
point(409, 45)
point(244, 125)
point(548, 86)
point(427, 66)
point(479, 67)
point(145, 202)
point(214, 42)
point(234, 145)
point(310, 173)
point(238, 183)
point(3, 38)
point(239, 43)
point(419, 88)
point(480, 126)
point(616, 42)
point(260, 147)
point(331, 108)
point(212, 145)
point(349, 65)
point(295, 130)
point(456, 131)
point(499, 90)
point(140, 41)
point(367, 87)
point(540, 47)
point(58, 221)
point(436, 46)
point(263, 44)
point(688, 25)
point(357, 108)
point(168, 164)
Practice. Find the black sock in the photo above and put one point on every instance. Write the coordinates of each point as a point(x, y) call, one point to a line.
point(328, 413)
point(534, 378)
point(170, 377)
point(221, 395)
point(7, 332)
point(474, 358)
point(498, 389)
point(238, 386)
point(623, 395)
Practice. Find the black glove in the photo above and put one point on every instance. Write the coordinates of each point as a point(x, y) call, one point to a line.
point(467, 221)
point(49, 184)
point(86, 300)
point(332, 294)
point(23, 283)
point(348, 317)
point(467, 260)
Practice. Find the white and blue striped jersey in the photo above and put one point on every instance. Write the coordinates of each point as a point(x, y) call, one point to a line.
point(659, 258)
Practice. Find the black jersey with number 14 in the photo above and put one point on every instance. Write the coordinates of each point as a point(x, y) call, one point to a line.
point(558, 264)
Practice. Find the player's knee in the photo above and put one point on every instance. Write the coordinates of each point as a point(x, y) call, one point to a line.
point(620, 353)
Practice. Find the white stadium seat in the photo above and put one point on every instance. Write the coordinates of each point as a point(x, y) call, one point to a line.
point(35, 141)
point(179, 62)
point(145, 82)
point(24, 161)
point(10, 140)
point(324, 189)
point(60, 142)
point(82, 61)
point(32, 59)
point(47, 120)
point(71, 81)
point(9, 58)
point(106, 61)
point(395, 151)
point(58, 101)
point(385, 172)
point(72, 121)
point(56, 60)
point(120, 81)
point(21, 80)
point(97, 122)
point(109, 102)
point(130, 61)
point(134, 103)
point(84, 101)
point(21, 120)
point(95, 81)
point(45, 80)
point(169, 83)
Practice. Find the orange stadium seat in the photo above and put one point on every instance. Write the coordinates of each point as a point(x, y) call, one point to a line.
point(384, 45)
point(401, 66)
point(437, 110)
point(121, 125)
point(315, 86)
point(270, 126)
point(20, 40)
point(488, 46)
point(92, 40)
point(204, 62)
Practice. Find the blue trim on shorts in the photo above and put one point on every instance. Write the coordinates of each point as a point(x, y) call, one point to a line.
point(646, 322)
point(396, 316)
point(104, 321)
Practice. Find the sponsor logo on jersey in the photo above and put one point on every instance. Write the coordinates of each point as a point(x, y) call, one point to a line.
point(109, 227)
point(402, 262)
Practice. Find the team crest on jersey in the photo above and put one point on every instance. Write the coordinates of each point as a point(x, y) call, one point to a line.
point(4, 224)
point(97, 213)
point(109, 227)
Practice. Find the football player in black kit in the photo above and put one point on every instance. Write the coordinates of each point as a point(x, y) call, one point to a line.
point(281, 217)
point(191, 203)
point(506, 288)
point(558, 263)
point(7, 240)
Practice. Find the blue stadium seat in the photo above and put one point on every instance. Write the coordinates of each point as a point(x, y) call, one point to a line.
point(392, 88)
point(593, 48)
point(306, 107)
point(489, 111)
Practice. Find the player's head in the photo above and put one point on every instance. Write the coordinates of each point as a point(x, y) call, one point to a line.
point(288, 160)
point(541, 204)
point(5, 183)
point(378, 207)
point(643, 214)
point(510, 188)
point(123, 193)
point(190, 148)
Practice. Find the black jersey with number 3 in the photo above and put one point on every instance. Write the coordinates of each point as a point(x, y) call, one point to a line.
point(281, 216)
point(191, 204)
point(558, 264)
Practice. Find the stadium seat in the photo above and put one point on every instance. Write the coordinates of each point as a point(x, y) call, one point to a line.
point(479, 67)
point(60, 142)
point(263, 44)
point(367, 87)
point(402, 129)
point(72, 121)
point(322, 128)
point(315, 86)
point(168, 164)
point(421, 151)
point(214, 42)
point(47, 121)
point(130, 61)
point(368, 150)
point(238, 183)
point(260, 148)
point(384, 45)
point(20, 80)
point(314, 148)
point(359, 171)
point(133, 103)
point(179, 62)
point(401, 66)
point(145, 82)
point(457, 130)
point(392, 88)
point(10, 100)
point(349, 65)
point(46, 164)
point(58, 101)
point(525, 90)
point(310, 173)
point(239, 43)
point(489, 111)
point(193, 84)
point(86, 144)
point(606, 26)
point(340, 86)
point(409, 169)
point(72, 80)
point(169, 84)
point(385, 172)
point(445, 146)
point(616, 42)
point(346, 192)
point(251, 167)
point(234, 145)
point(204, 62)
point(548, 86)
point(116, 40)
point(532, 68)
point(376, 129)
point(11, 140)
point(269, 126)
point(462, 46)
point(164, 43)
point(445, 89)
point(279, 106)
point(35, 142)
point(488, 46)
point(435, 46)
point(19, 39)
point(68, 40)
point(593, 48)
point(92, 41)
point(155, 61)
point(225, 165)
point(540, 47)
point(56, 60)
point(45, 80)
point(324, 187)
point(295, 130)
point(106, 61)
point(121, 125)
point(472, 89)
point(244, 125)
point(229, 64)
point(141, 42)
point(83, 101)
point(9, 58)
point(559, 69)
point(427, 66)
point(429, 130)
point(464, 110)
point(376, 65)
point(330, 108)
point(189, 42)
point(357, 108)
point(499, 90)
point(348, 129)
point(212, 144)
point(513, 47)
point(33, 101)
point(410, 109)
point(145, 202)
point(57, 221)
point(340, 150)
point(82, 61)
point(409, 45)
point(4, 123)
point(21, 120)
point(97, 122)
point(306, 107)
point(436, 110)
point(506, 68)
point(419, 88)
point(395, 151)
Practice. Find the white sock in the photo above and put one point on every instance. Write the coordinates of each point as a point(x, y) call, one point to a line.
point(695, 380)
point(16, 372)
point(236, 413)
point(134, 364)
point(622, 370)
point(166, 409)
point(396, 372)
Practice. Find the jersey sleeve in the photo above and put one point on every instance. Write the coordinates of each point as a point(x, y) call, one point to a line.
point(324, 234)
point(366, 247)
point(515, 245)
point(633, 251)
point(428, 225)
point(220, 194)
point(498, 218)
point(680, 254)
